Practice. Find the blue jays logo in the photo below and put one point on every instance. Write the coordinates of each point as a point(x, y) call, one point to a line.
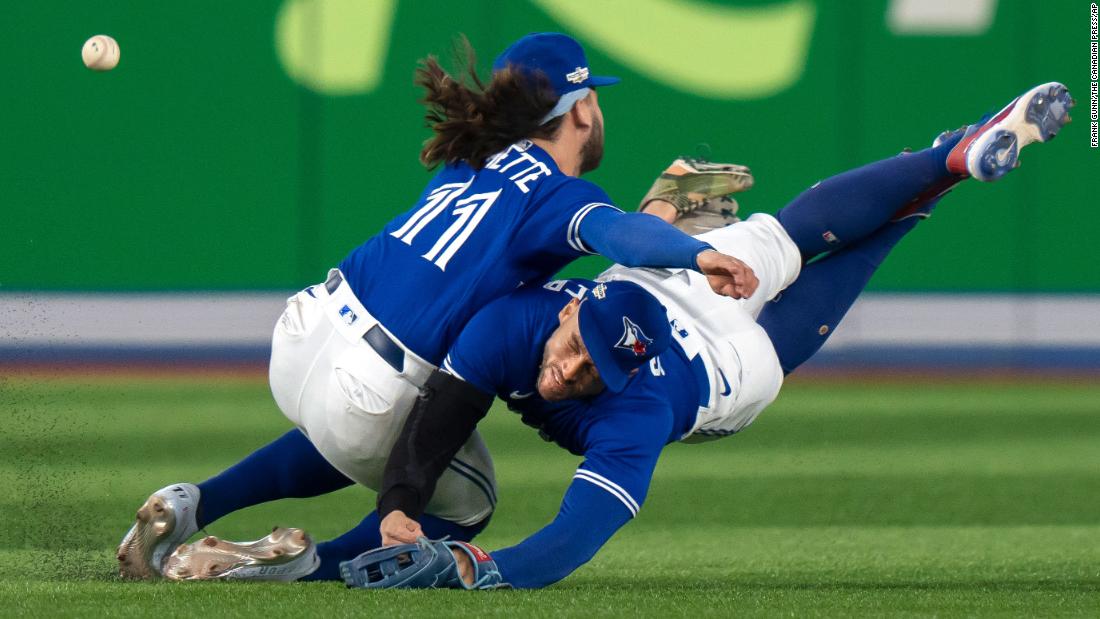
point(349, 316)
point(633, 339)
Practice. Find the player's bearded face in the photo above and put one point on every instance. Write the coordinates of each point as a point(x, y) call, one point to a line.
point(567, 371)
point(592, 150)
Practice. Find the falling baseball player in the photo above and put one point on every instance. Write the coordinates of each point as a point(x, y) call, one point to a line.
point(507, 208)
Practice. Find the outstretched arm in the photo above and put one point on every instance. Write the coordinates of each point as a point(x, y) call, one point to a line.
point(639, 240)
point(621, 452)
point(607, 491)
point(642, 240)
point(588, 517)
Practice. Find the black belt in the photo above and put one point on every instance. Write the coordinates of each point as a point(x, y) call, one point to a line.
point(375, 337)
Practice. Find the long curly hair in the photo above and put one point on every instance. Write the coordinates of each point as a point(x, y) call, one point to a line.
point(471, 121)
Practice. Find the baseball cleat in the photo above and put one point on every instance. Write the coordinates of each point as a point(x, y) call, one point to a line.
point(284, 555)
point(713, 214)
point(164, 522)
point(994, 147)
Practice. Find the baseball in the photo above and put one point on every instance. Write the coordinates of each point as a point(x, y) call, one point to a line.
point(100, 53)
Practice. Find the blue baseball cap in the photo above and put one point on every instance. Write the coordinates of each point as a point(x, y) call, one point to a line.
point(623, 327)
point(562, 59)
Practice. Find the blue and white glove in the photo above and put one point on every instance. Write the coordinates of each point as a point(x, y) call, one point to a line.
point(427, 564)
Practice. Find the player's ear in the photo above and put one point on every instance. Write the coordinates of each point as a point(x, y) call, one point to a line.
point(569, 309)
point(583, 112)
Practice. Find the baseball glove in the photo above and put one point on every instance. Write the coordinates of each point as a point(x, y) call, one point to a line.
point(688, 183)
point(427, 564)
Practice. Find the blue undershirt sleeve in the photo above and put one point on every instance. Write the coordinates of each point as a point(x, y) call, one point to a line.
point(589, 516)
point(639, 240)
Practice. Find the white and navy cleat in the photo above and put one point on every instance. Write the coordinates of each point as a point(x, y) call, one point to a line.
point(989, 152)
point(166, 520)
point(284, 555)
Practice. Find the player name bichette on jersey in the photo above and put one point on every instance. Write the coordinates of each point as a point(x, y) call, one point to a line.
point(527, 168)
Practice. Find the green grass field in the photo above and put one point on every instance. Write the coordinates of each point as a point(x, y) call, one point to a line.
point(844, 498)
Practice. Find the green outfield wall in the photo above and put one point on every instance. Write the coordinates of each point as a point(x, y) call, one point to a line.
point(250, 145)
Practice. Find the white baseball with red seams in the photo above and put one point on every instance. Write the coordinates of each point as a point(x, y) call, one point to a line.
point(100, 53)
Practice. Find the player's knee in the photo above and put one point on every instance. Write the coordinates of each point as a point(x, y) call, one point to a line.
point(436, 527)
point(479, 526)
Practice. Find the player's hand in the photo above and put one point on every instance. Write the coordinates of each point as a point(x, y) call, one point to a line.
point(727, 275)
point(397, 528)
point(465, 566)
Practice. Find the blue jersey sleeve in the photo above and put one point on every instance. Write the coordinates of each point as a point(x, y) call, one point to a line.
point(621, 449)
point(478, 355)
point(606, 492)
point(639, 240)
point(587, 519)
point(555, 225)
point(500, 348)
point(578, 218)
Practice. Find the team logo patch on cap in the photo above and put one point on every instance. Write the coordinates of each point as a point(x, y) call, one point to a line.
point(633, 339)
point(578, 75)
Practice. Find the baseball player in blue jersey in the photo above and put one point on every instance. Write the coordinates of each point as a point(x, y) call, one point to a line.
point(615, 369)
point(507, 208)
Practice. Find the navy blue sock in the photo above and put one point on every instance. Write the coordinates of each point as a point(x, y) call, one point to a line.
point(288, 467)
point(945, 147)
point(808, 311)
point(850, 206)
point(365, 536)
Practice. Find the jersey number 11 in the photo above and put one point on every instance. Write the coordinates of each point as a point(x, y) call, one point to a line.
point(468, 213)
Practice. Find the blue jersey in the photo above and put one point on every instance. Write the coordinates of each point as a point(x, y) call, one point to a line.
point(620, 435)
point(472, 237)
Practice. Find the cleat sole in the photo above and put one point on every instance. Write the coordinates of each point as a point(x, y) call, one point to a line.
point(135, 553)
point(165, 520)
point(285, 554)
point(1037, 116)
